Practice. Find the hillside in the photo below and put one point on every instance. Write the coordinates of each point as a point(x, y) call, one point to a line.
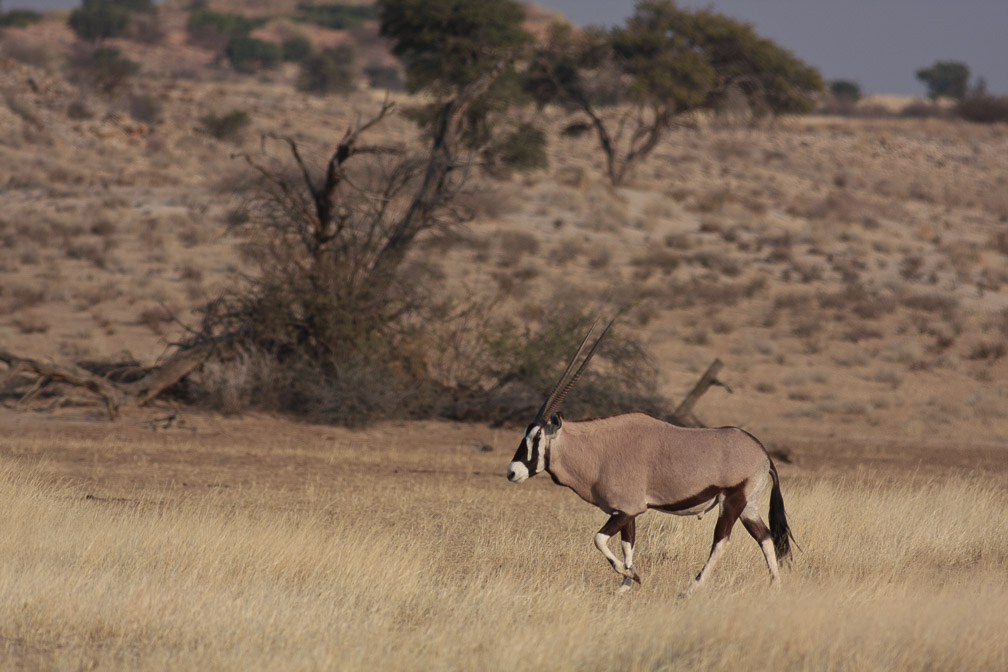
point(852, 274)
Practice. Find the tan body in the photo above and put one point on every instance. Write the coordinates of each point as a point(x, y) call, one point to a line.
point(631, 463)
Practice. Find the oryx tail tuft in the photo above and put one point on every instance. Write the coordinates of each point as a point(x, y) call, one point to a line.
point(779, 529)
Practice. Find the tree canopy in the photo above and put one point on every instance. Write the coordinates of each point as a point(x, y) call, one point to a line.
point(945, 79)
point(665, 61)
point(445, 44)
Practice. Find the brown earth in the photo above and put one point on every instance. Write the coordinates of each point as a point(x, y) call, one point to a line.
point(851, 274)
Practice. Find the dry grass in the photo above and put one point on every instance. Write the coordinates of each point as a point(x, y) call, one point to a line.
point(409, 559)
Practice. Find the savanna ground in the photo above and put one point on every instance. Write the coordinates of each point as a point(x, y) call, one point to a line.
point(851, 274)
point(264, 544)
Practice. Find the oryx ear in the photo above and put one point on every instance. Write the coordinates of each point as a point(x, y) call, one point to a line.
point(556, 422)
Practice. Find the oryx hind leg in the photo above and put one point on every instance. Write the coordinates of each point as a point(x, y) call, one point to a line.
point(755, 526)
point(732, 504)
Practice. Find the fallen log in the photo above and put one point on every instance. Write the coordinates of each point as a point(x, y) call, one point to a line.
point(115, 395)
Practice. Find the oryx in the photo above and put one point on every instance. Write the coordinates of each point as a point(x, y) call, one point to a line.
point(627, 464)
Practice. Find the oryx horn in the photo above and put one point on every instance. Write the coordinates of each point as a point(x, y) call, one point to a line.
point(561, 389)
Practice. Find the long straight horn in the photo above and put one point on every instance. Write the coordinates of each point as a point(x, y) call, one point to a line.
point(559, 392)
point(563, 376)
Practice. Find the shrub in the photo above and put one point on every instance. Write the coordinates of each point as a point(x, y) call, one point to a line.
point(19, 18)
point(296, 48)
point(983, 108)
point(146, 108)
point(247, 54)
point(229, 127)
point(922, 110)
point(106, 69)
point(329, 71)
point(526, 364)
point(215, 29)
point(384, 77)
point(523, 149)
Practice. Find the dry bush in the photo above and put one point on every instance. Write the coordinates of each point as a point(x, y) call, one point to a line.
point(657, 259)
point(18, 296)
point(945, 305)
point(513, 245)
point(155, 318)
point(30, 322)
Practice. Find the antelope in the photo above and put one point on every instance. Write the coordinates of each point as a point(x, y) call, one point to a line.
point(630, 463)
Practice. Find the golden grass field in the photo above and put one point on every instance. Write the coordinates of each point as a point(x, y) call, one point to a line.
point(852, 275)
point(260, 544)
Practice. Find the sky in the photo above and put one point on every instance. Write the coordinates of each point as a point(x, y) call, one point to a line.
point(879, 44)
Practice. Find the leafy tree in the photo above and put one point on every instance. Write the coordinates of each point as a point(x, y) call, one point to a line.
point(98, 20)
point(945, 79)
point(447, 44)
point(634, 81)
point(845, 90)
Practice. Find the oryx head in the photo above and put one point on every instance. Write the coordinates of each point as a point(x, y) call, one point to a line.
point(532, 455)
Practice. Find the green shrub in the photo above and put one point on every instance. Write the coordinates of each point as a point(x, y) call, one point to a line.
point(337, 16)
point(230, 126)
point(296, 48)
point(247, 54)
point(524, 148)
point(329, 71)
point(19, 18)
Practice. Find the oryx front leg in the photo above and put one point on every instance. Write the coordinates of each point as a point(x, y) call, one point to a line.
point(624, 524)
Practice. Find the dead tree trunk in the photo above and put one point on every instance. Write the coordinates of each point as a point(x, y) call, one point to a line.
point(683, 414)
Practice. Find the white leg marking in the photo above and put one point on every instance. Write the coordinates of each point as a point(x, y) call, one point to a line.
point(601, 543)
point(711, 561)
point(771, 559)
point(627, 554)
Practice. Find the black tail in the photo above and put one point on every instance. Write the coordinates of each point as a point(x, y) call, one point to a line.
point(779, 529)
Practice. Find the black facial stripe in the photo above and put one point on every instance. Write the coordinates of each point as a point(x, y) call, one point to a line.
point(534, 454)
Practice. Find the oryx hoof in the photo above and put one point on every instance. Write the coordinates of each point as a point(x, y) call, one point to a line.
point(632, 574)
point(625, 586)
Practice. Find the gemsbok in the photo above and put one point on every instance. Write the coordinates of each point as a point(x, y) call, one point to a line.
point(627, 464)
